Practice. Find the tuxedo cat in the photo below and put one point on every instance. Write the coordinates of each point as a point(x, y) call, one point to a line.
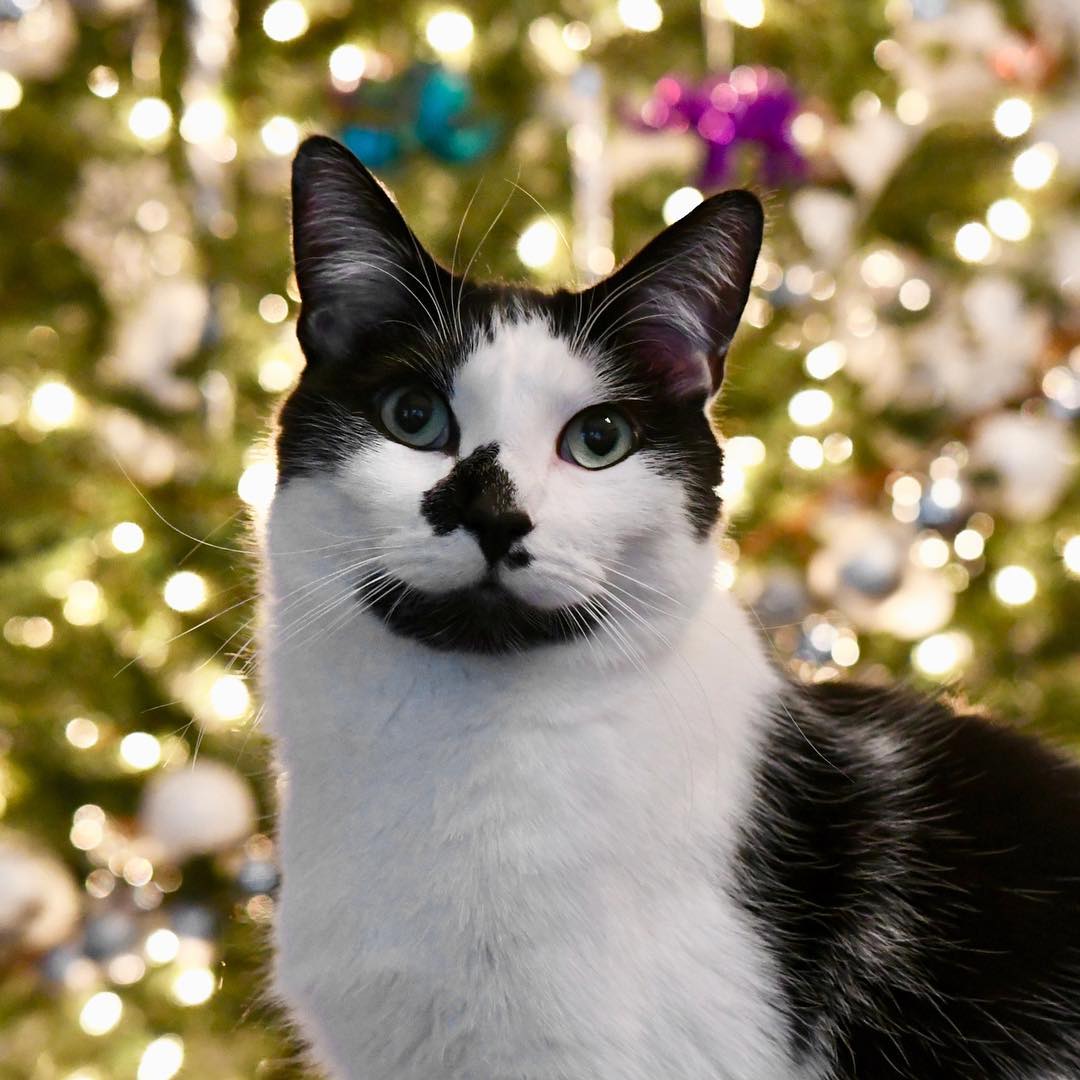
point(549, 811)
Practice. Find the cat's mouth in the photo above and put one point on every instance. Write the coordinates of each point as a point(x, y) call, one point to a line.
point(483, 617)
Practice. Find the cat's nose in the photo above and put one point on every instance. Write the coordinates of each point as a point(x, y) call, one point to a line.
point(496, 527)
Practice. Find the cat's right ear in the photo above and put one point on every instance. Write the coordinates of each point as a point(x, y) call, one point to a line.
point(359, 267)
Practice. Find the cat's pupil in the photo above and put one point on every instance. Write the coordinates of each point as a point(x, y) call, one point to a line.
point(600, 434)
point(413, 411)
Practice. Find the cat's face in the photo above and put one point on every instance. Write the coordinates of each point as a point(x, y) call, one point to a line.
point(483, 468)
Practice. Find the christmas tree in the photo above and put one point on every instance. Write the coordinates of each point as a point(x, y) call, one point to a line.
point(899, 415)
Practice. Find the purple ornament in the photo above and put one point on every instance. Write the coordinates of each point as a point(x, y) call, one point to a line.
point(750, 105)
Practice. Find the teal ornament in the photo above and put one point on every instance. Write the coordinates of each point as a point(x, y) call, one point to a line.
point(428, 107)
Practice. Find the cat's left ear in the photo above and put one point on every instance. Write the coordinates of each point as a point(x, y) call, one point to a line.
point(359, 266)
point(676, 304)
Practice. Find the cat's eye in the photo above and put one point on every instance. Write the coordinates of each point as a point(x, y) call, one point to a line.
point(598, 437)
point(416, 416)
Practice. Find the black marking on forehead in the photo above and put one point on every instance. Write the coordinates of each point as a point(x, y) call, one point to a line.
point(482, 618)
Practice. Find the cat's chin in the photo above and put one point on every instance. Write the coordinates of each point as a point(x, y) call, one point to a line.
point(483, 617)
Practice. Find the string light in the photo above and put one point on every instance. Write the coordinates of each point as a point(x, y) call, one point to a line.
point(641, 15)
point(932, 551)
point(806, 452)
point(162, 946)
point(810, 408)
point(577, 35)
point(940, 654)
point(1012, 117)
point(52, 405)
point(914, 294)
point(969, 544)
point(285, 20)
point(229, 697)
point(1009, 220)
point(162, 1059)
point(274, 308)
point(85, 604)
point(1014, 585)
point(257, 484)
point(1071, 555)
point(973, 242)
point(845, 650)
point(679, 203)
point(745, 451)
point(150, 118)
point(837, 447)
point(537, 245)
point(825, 359)
point(1033, 168)
point(103, 82)
point(449, 31)
point(203, 121)
point(11, 91)
point(140, 750)
point(347, 66)
point(101, 1013)
point(127, 537)
point(81, 733)
point(185, 591)
point(280, 135)
point(912, 107)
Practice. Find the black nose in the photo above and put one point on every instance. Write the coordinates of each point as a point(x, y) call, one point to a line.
point(495, 527)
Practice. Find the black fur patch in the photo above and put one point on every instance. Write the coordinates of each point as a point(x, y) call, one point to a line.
point(483, 618)
point(917, 877)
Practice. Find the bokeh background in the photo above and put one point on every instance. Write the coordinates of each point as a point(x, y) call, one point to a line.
point(900, 413)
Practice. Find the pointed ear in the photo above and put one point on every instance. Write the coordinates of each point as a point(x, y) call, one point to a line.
point(358, 265)
point(676, 304)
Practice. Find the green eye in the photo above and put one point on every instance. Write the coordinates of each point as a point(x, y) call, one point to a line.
point(417, 417)
point(598, 437)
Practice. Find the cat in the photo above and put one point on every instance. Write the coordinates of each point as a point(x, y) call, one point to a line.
point(549, 810)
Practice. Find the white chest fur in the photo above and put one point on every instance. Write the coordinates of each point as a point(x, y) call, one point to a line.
point(519, 869)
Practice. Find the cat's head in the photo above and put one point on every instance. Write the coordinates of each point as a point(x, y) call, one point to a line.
point(486, 468)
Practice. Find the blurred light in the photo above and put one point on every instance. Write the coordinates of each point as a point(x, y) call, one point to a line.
point(81, 733)
point(913, 107)
point(932, 551)
point(641, 15)
point(86, 834)
point(203, 121)
point(969, 544)
point(126, 968)
point(724, 575)
point(11, 91)
point(127, 537)
point(845, 650)
point(808, 130)
point(185, 591)
point(229, 697)
point(1071, 555)
point(257, 483)
point(537, 244)
point(162, 1059)
point(973, 242)
point(947, 492)
point(1012, 117)
point(138, 871)
point(577, 35)
point(285, 20)
point(140, 750)
point(162, 946)
point(809, 408)
point(1009, 220)
point(101, 1013)
point(679, 203)
point(274, 308)
point(1033, 168)
point(85, 605)
point(865, 105)
point(193, 986)
point(806, 452)
point(277, 373)
point(799, 279)
point(37, 632)
point(825, 359)
point(837, 447)
point(1014, 585)
point(449, 31)
point(1062, 384)
point(744, 450)
point(941, 653)
point(748, 13)
point(280, 135)
point(152, 216)
point(52, 405)
point(914, 294)
point(348, 64)
point(906, 490)
point(601, 260)
point(882, 269)
point(103, 82)
point(100, 883)
point(149, 119)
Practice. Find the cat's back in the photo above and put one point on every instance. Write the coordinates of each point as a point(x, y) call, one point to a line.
point(918, 875)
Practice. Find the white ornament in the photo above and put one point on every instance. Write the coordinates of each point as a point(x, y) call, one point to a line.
point(39, 902)
point(826, 220)
point(870, 151)
point(1033, 456)
point(197, 809)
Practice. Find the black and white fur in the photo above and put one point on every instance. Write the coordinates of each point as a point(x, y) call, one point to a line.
point(549, 812)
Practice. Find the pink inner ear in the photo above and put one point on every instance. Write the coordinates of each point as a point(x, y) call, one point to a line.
point(677, 364)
